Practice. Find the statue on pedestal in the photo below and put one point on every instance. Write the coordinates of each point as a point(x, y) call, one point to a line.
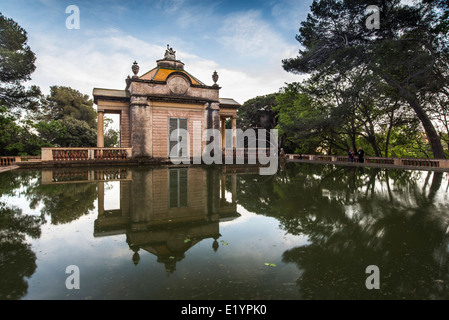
point(170, 54)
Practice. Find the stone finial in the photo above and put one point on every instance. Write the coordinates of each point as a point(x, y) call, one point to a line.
point(215, 78)
point(135, 68)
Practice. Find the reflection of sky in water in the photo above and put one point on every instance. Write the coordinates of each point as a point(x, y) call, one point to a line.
point(107, 270)
point(112, 195)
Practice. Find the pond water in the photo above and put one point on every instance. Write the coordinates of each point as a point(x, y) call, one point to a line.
point(223, 233)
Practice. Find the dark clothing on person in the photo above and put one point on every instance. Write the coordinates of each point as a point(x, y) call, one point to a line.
point(351, 156)
point(361, 154)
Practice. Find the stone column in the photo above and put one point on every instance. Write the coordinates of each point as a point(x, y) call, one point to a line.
point(212, 121)
point(215, 106)
point(141, 122)
point(223, 133)
point(100, 129)
point(142, 198)
point(100, 188)
point(213, 189)
point(125, 197)
point(234, 132)
point(223, 187)
point(213, 116)
point(234, 187)
point(125, 139)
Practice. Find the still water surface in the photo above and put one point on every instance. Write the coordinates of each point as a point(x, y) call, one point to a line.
point(308, 232)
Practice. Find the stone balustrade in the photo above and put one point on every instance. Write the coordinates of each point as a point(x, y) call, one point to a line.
point(7, 161)
point(245, 152)
point(85, 175)
point(406, 162)
point(80, 154)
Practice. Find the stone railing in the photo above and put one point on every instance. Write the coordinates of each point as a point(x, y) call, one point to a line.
point(83, 154)
point(85, 175)
point(7, 161)
point(406, 162)
point(245, 152)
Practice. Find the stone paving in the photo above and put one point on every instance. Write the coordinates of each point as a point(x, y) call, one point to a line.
point(8, 168)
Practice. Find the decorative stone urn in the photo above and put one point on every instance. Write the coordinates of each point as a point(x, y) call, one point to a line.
point(135, 68)
point(215, 78)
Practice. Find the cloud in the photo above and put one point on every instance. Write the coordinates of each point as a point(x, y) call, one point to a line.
point(258, 50)
point(103, 60)
point(242, 86)
point(254, 42)
point(172, 6)
point(92, 58)
point(288, 14)
point(188, 15)
point(236, 83)
point(249, 35)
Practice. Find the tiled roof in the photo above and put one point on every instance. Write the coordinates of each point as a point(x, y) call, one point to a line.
point(161, 74)
point(229, 102)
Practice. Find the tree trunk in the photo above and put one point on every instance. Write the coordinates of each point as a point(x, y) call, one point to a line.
point(432, 135)
point(387, 140)
point(372, 141)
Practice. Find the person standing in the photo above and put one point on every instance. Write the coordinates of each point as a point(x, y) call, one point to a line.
point(351, 155)
point(361, 155)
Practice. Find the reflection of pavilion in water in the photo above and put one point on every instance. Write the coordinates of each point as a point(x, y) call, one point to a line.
point(164, 211)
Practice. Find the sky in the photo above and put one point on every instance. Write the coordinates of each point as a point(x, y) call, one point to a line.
point(244, 41)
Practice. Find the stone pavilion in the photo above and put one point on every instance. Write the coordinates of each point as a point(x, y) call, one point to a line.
point(161, 100)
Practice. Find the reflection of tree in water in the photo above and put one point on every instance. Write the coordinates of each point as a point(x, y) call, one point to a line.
point(17, 260)
point(62, 203)
point(353, 219)
point(12, 183)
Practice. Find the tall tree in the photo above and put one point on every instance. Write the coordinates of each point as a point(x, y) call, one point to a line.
point(405, 52)
point(304, 122)
point(68, 118)
point(16, 66)
point(63, 102)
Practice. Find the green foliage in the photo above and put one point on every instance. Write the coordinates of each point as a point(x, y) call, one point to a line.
point(18, 59)
point(258, 113)
point(17, 257)
point(68, 119)
point(442, 21)
point(77, 133)
point(300, 120)
point(270, 264)
point(111, 136)
point(16, 66)
point(366, 85)
point(64, 102)
point(52, 132)
point(18, 138)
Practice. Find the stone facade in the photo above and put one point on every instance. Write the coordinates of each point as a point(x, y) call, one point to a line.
point(163, 93)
